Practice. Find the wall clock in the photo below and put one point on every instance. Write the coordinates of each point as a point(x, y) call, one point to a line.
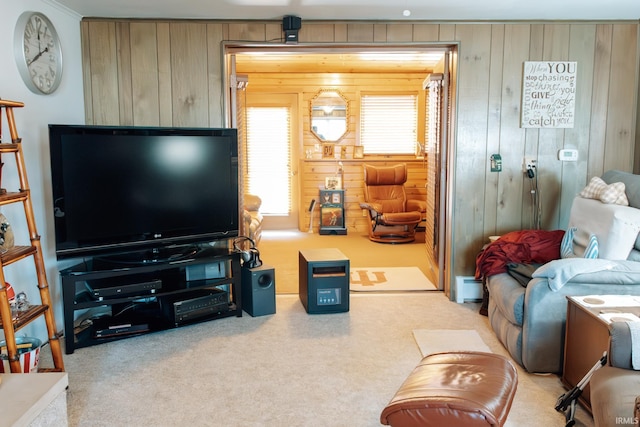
point(38, 53)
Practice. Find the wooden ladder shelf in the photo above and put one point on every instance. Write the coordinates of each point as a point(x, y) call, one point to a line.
point(9, 323)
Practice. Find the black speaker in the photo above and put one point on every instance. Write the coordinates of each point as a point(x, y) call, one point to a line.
point(290, 26)
point(291, 22)
point(259, 290)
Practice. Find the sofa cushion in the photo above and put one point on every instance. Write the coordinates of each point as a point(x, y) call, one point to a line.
point(567, 249)
point(631, 184)
point(634, 255)
point(613, 395)
point(509, 334)
point(616, 227)
point(508, 295)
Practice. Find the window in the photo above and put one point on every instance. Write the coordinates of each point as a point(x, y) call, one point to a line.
point(389, 123)
point(268, 166)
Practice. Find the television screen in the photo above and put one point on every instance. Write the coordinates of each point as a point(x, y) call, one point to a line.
point(118, 189)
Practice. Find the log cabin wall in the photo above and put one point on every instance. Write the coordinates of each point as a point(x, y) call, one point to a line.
point(313, 171)
point(169, 73)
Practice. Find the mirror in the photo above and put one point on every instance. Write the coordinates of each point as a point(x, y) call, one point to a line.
point(329, 115)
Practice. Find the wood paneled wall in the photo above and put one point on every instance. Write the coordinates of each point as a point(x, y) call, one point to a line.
point(169, 73)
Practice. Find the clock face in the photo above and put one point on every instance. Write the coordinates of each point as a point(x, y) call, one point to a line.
point(38, 52)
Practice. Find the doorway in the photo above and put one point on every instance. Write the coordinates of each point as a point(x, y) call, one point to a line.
point(275, 66)
point(269, 165)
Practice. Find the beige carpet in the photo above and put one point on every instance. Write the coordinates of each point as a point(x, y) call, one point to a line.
point(285, 369)
point(384, 279)
point(442, 340)
point(279, 249)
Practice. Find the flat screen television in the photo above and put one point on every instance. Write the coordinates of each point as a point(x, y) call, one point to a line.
point(142, 190)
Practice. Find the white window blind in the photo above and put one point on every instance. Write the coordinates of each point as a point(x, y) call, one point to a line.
point(268, 167)
point(389, 123)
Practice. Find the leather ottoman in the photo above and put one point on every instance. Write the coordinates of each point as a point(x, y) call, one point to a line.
point(455, 389)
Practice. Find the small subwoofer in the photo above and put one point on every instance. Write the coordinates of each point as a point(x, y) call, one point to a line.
point(259, 290)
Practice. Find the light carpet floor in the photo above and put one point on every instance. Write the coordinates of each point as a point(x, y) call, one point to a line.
point(382, 279)
point(285, 369)
point(442, 340)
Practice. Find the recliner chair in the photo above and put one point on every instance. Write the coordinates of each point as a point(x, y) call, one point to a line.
point(392, 217)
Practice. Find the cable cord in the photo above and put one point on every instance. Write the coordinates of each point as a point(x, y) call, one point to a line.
point(536, 207)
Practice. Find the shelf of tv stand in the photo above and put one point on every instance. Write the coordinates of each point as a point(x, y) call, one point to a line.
point(146, 304)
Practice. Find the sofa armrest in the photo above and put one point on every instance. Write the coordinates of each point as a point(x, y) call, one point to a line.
point(620, 345)
point(416, 205)
point(545, 314)
point(582, 270)
point(373, 207)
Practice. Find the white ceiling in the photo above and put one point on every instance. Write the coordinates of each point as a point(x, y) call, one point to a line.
point(454, 10)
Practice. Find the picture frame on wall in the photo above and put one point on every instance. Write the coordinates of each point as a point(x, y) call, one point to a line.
point(328, 151)
point(330, 196)
point(331, 216)
point(358, 152)
point(333, 183)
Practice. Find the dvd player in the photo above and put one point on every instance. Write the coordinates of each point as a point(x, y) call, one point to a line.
point(109, 289)
point(122, 329)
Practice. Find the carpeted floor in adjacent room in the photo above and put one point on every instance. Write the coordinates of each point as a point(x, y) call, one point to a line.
point(279, 249)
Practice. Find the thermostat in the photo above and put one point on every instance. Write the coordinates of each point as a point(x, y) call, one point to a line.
point(568, 155)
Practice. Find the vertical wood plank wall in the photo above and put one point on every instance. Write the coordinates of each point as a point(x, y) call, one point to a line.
point(121, 70)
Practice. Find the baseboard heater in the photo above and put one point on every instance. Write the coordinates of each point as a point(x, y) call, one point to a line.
point(468, 289)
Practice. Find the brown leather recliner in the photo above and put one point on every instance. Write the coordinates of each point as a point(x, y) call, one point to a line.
point(393, 217)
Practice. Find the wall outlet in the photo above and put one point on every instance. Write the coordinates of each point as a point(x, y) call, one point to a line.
point(529, 163)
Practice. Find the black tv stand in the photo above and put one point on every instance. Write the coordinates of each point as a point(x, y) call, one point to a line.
point(117, 300)
point(151, 256)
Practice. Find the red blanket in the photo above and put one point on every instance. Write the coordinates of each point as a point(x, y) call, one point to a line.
point(523, 247)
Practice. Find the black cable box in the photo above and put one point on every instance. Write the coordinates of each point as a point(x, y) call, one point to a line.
point(109, 289)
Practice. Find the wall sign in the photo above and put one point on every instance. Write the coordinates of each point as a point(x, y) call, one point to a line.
point(548, 94)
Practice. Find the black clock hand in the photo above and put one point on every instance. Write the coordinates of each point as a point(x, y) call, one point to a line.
point(38, 24)
point(35, 58)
